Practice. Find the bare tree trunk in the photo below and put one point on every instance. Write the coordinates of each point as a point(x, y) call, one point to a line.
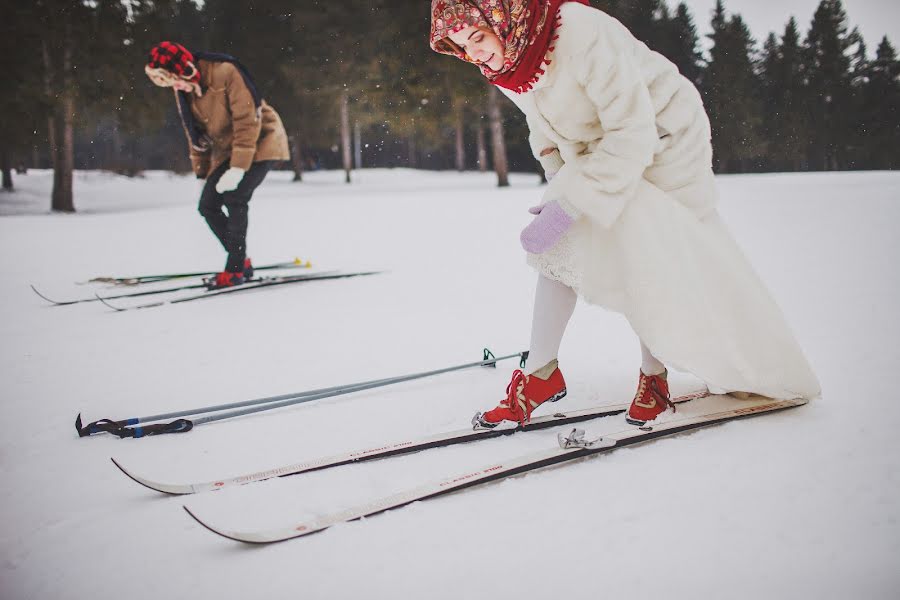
point(357, 144)
point(51, 119)
point(297, 155)
point(495, 115)
point(413, 151)
point(482, 148)
point(35, 158)
point(345, 134)
point(118, 160)
point(460, 137)
point(64, 201)
point(6, 165)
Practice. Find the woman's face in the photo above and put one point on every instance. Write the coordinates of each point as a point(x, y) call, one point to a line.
point(182, 85)
point(164, 78)
point(481, 46)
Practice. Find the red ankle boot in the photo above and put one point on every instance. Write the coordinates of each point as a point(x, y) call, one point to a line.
point(651, 399)
point(523, 394)
point(224, 279)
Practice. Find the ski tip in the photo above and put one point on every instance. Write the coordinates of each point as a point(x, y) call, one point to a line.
point(124, 470)
point(107, 304)
point(256, 538)
point(171, 490)
point(219, 532)
point(199, 520)
point(43, 297)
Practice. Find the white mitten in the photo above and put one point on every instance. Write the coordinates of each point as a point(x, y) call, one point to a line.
point(229, 180)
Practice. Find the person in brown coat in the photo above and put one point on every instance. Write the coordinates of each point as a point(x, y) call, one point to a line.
point(235, 138)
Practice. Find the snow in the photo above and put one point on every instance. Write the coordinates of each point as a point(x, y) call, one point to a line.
point(796, 504)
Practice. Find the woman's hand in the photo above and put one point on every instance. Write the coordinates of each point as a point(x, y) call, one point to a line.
point(548, 226)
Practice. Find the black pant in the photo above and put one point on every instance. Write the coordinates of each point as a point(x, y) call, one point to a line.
point(231, 227)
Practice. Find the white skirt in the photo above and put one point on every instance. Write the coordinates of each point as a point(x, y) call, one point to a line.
point(688, 292)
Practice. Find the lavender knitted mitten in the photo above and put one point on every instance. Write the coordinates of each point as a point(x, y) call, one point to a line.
point(546, 229)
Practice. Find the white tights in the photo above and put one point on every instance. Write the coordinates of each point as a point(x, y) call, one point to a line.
point(554, 304)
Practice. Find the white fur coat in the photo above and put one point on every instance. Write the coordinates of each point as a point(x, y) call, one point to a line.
point(614, 112)
point(632, 159)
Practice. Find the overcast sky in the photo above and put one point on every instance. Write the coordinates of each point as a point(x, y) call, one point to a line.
point(874, 18)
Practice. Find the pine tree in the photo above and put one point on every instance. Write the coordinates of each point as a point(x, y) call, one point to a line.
point(785, 126)
point(65, 24)
point(22, 111)
point(151, 131)
point(611, 7)
point(827, 53)
point(329, 74)
point(684, 44)
point(648, 21)
point(880, 110)
point(642, 17)
point(731, 90)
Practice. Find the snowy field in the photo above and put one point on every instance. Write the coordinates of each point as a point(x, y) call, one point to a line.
point(800, 504)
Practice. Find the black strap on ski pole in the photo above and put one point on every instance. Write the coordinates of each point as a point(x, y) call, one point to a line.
point(124, 429)
point(105, 425)
point(176, 426)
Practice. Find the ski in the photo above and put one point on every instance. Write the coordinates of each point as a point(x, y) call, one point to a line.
point(140, 279)
point(711, 411)
point(264, 282)
point(196, 286)
point(438, 440)
point(180, 288)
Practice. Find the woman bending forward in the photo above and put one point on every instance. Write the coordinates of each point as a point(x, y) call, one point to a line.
point(629, 219)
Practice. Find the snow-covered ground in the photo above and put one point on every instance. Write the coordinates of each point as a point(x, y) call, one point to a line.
point(800, 504)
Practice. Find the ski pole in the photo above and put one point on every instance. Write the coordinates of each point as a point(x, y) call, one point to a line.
point(122, 428)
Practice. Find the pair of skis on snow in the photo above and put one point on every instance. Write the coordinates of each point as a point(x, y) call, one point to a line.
point(694, 411)
point(251, 284)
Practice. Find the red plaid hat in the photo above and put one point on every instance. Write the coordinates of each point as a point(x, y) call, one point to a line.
point(174, 58)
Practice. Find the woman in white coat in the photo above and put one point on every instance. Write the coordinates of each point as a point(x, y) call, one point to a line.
point(629, 218)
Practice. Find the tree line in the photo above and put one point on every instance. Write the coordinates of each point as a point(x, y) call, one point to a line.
point(357, 86)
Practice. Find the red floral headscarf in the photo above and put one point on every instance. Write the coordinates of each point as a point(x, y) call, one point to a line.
point(525, 27)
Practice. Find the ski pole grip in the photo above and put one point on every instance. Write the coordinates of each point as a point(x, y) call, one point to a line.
point(103, 425)
point(487, 356)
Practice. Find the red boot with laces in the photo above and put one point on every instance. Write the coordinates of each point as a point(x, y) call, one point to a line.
point(651, 400)
point(523, 394)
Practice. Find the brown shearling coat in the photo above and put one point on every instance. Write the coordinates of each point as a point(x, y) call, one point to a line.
point(227, 114)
